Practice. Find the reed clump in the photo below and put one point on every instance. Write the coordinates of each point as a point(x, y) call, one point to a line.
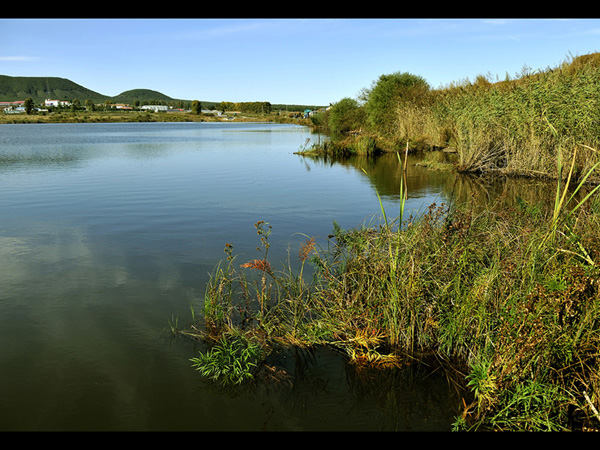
point(363, 145)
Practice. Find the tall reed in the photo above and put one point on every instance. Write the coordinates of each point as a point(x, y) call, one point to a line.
point(502, 126)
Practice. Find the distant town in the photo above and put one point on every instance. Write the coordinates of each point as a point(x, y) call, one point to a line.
point(49, 105)
point(18, 107)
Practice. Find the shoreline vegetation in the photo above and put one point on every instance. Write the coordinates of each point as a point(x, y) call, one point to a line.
point(116, 116)
point(506, 300)
point(513, 127)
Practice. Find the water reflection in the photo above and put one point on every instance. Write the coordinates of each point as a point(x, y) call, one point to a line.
point(426, 186)
point(316, 390)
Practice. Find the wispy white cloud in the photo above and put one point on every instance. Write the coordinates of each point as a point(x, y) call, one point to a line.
point(211, 29)
point(17, 58)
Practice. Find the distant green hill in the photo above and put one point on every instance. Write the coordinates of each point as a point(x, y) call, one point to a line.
point(141, 95)
point(55, 88)
point(41, 88)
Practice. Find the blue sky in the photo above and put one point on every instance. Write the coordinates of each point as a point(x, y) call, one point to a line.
point(287, 60)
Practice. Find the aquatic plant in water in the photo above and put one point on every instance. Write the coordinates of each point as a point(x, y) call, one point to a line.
point(230, 361)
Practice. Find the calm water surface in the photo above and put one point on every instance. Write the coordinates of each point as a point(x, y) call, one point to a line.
point(108, 231)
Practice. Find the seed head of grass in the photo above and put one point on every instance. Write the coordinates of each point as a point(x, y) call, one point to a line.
point(258, 264)
point(306, 249)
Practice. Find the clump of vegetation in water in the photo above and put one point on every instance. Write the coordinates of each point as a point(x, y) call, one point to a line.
point(230, 361)
point(509, 297)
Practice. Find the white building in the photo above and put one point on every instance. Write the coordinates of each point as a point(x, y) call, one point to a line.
point(156, 108)
point(14, 110)
point(211, 111)
point(56, 103)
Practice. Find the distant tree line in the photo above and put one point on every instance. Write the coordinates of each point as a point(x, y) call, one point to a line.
point(245, 107)
point(195, 106)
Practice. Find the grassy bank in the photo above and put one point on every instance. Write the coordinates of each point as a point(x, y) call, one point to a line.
point(140, 116)
point(516, 127)
point(506, 298)
point(99, 117)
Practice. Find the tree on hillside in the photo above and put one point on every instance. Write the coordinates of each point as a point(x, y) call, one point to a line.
point(384, 96)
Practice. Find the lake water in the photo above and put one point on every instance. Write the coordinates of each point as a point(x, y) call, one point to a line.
point(109, 231)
